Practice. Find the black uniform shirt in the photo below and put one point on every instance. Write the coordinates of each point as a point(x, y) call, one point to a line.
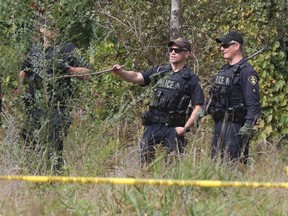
point(248, 80)
point(49, 64)
point(64, 54)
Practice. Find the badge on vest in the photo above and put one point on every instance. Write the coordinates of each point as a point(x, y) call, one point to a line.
point(252, 80)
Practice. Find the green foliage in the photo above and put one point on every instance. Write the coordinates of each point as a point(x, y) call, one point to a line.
point(262, 23)
point(142, 30)
point(137, 38)
point(103, 138)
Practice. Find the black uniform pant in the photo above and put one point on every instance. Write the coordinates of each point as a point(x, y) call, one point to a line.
point(44, 131)
point(159, 134)
point(227, 144)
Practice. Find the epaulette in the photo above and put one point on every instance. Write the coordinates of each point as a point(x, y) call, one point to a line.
point(188, 73)
point(238, 68)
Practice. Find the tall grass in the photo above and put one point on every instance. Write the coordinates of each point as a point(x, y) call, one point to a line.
point(111, 149)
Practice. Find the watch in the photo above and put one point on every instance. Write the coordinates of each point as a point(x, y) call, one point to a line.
point(187, 129)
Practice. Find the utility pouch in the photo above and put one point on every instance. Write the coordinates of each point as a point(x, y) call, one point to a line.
point(218, 114)
point(155, 95)
point(163, 102)
point(176, 120)
point(239, 114)
point(172, 101)
point(184, 102)
point(147, 118)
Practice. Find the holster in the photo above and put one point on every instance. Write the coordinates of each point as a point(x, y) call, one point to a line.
point(234, 115)
point(147, 118)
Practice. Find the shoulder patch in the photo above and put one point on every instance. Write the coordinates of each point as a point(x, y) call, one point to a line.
point(252, 80)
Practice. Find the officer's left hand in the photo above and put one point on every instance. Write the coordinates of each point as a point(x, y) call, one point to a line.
point(180, 131)
point(246, 130)
point(199, 115)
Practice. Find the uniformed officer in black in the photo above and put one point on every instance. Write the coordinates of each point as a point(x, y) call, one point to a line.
point(47, 96)
point(235, 101)
point(174, 87)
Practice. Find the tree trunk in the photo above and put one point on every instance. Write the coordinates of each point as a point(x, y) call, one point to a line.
point(174, 20)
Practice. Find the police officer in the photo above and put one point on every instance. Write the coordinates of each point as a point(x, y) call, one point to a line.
point(48, 92)
point(235, 101)
point(174, 87)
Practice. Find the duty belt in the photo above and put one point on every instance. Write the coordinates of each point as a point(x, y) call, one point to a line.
point(160, 119)
point(172, 120)
point(232, 116)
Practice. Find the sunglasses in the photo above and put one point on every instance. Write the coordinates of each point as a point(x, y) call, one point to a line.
point(226, 45)
point(176, 50)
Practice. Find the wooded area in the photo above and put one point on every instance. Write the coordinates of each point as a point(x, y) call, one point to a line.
point(103, 138)
point(135, 33)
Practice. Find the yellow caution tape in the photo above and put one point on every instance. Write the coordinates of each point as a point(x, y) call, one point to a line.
point(134, 181)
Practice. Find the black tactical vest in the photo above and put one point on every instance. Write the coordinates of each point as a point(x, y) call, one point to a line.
point(227, 94)
point(172, 94)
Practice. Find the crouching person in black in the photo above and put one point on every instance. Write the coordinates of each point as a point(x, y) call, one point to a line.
point(176, 86)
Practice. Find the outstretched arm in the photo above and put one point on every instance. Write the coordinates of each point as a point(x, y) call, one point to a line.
point(129, 76)
point(79, 71)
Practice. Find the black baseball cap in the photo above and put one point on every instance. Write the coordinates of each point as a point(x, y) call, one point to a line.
point(231, 36)
point(181, 43)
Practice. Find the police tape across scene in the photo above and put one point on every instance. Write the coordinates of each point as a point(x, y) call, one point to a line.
point(135, 181)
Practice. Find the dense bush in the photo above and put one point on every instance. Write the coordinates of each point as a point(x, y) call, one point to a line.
point(135, 33)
